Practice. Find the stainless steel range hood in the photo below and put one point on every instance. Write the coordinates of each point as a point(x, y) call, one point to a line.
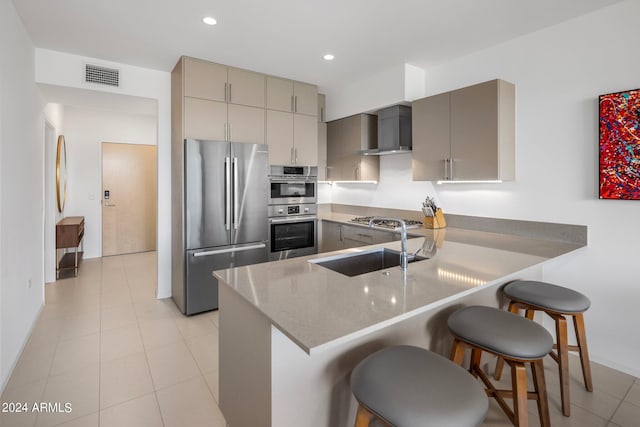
point(394, 131)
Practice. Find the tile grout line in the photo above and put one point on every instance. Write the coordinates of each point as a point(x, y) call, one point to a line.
point(99, 342)
point(55, 352)
point(202, 374)
point(146, 356)
point(622, 400)
point(100, 345)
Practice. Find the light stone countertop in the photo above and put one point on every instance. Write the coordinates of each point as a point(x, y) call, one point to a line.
point(318, 308)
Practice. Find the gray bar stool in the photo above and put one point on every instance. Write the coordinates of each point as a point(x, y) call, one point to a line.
point(518, 341)
point(408, 386)
point(557, 302)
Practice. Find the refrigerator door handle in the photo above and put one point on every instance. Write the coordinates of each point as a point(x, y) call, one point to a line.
point(235, 193)
point(227, 187)
point(229, 250)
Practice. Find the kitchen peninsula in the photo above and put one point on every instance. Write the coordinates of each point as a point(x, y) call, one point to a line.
point(292, 331)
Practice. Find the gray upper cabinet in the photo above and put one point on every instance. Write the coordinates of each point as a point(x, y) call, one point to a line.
point(322, 108)
point(292, 96)
point(305, 99)
point(246, 88)
point(465, 134)
point(223, 103)
point(205, 80)
point(292, 128)
point(279, 94)
point(204, 119)
point(217, 102)
point(345, 138)
point(322, 151)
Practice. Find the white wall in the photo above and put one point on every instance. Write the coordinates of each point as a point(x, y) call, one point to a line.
point(395, 189)
point(396, 84)
point(85, 131)
point(21, 190)
point(559, 73)
point(66, 70)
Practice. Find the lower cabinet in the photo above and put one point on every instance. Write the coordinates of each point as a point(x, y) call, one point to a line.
point(335, 236)
point(353, 236)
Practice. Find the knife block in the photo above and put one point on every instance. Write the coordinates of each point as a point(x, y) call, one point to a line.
point(436, 221)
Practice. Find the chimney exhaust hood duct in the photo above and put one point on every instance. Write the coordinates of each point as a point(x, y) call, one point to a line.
point(394, 131)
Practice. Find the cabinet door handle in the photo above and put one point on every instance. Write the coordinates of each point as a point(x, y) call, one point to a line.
point(292, 104)
point(295, 104)
point(295, 155)
point(225, 132)
point(451, 169)
point(230, 85)
point(230, 131)
point(225, 91)
point(291, 154)
point(446, 169)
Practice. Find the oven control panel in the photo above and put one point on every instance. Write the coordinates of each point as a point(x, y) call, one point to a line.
point(293, 210)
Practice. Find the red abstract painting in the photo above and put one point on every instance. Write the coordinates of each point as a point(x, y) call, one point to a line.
point(620, 145)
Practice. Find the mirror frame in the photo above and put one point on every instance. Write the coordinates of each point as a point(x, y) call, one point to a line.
point(61, 178)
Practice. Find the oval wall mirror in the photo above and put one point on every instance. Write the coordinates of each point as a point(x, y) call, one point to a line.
point(61, 173)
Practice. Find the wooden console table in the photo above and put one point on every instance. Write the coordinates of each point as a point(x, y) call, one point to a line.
point(69, 233)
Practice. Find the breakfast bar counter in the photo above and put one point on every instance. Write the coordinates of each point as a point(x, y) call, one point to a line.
point(291, 331)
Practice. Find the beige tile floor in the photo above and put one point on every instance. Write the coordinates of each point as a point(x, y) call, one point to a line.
point(121, 357)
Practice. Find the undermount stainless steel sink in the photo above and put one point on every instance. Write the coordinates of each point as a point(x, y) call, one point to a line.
point(363, 262)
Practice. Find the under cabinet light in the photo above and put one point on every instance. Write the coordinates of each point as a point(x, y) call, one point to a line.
point(209, 20)
point(355, 182)
point(328, 57)
point(472, 181)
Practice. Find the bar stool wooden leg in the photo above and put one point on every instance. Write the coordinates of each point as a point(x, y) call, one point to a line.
point(513, 308)
point(537, 369)
point(457, 352)
point(563, 362)
point(363, 418)
point(497, 374)
point(519, 386)
point(578, 323)
point(476, 356)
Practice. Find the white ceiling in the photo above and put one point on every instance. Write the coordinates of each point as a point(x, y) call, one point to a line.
point(289, 37)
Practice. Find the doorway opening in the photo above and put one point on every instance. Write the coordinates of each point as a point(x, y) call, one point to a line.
point(50, 211)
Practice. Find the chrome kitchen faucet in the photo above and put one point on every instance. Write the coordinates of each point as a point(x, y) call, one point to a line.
point(403, 231)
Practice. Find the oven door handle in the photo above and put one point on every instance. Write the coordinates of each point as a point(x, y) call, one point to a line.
point(293, 180)
point(301, 218)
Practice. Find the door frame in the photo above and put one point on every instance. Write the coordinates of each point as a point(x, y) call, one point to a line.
point(49, 210)
point(155, 177)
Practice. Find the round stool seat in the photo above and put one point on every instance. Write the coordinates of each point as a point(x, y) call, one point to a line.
point(410, 386)
point(547, 296)
point(500, 332)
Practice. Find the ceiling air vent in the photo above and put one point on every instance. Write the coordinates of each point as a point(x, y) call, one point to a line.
point(101, 75)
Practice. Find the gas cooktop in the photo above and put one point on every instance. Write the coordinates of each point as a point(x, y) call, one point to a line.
point(388, 224)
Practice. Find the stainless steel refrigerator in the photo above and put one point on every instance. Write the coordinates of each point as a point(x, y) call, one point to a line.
point(225, 216)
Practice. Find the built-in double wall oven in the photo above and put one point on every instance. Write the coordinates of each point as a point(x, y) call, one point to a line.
point(293, 220)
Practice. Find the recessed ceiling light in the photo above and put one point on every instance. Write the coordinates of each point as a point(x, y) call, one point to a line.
point(209, 20)
point(328, 57)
